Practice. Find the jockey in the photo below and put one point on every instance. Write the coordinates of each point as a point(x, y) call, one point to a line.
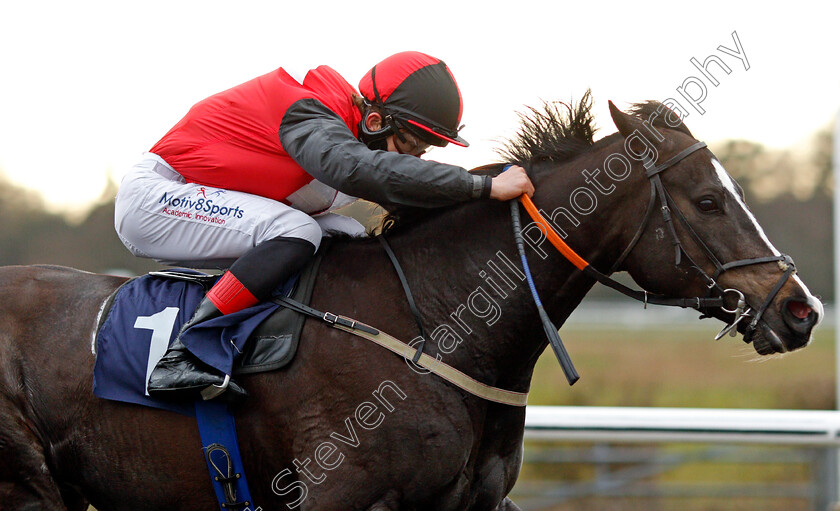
point(248, 178)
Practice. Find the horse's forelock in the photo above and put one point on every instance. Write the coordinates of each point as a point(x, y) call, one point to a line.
point(655, 113)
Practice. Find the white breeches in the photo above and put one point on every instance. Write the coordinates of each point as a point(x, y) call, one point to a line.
point(160, 216)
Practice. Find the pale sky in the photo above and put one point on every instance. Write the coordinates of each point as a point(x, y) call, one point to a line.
point(88, 86)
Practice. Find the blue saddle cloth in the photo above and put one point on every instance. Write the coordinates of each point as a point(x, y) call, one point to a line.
point(146, 315)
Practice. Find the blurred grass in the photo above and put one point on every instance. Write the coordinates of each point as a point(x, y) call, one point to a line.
point(671, 367)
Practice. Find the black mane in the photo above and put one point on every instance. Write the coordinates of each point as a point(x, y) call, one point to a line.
point(558, 132)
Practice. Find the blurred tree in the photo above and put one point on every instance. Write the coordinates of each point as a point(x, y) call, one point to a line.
point(31, 235)
point(822, 159)
point(789, 192)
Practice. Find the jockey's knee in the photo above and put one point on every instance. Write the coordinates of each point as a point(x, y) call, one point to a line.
point(295, 224)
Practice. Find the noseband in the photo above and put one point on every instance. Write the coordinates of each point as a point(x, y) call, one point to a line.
point(716, 295)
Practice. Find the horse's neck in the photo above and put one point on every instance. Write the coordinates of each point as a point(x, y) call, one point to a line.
point(478, 311)
point(467, 279)
point(464, 261)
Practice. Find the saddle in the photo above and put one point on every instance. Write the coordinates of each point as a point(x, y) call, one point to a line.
point(142, 317)
point(275, 341)
point(139, 321)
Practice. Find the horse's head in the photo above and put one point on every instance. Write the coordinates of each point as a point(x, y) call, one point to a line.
point(699, 239)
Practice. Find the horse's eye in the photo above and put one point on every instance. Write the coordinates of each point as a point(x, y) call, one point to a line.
point(707, 205)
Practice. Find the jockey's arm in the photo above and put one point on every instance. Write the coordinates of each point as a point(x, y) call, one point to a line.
point(320, 142)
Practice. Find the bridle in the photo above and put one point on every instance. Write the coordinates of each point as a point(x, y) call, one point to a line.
point(716, 295)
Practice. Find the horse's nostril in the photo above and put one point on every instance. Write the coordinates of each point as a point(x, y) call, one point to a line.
point(800, 316)
point(800, 310)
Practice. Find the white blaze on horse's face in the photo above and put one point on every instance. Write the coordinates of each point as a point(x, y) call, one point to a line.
point(729, 185)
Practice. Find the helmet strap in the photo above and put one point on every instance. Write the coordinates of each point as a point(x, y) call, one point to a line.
point(396, 125)
point(388, 119)
point(374, 139)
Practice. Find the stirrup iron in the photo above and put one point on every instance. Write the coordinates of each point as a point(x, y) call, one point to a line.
point(214, 391)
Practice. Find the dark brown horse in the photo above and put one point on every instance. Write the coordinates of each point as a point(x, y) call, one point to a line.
point(350, 425)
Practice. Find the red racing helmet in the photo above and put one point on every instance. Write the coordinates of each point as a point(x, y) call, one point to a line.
point(418, 93)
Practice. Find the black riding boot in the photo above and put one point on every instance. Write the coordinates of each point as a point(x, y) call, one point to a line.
point(180, 374)
point(251, 279)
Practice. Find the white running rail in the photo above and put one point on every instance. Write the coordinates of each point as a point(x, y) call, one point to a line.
point(659, 425)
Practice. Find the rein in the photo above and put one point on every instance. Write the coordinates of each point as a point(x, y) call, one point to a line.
point(667, 204)
point(512, 398)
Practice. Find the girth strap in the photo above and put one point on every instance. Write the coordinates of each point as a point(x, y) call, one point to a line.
point(217, 428)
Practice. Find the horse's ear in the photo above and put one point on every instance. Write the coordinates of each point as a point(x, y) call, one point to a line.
point(633, 130)
point(625, 123)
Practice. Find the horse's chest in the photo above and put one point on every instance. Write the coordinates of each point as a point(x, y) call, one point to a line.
point(489, 472)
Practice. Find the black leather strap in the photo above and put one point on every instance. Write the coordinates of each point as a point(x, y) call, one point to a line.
point(639, 232)
point(651, 169)
point(669, 221)
point(408, 295)
point(328, 317)
point(647, 298)
point(747, 262)
point(226, 477)
point(791, 269)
